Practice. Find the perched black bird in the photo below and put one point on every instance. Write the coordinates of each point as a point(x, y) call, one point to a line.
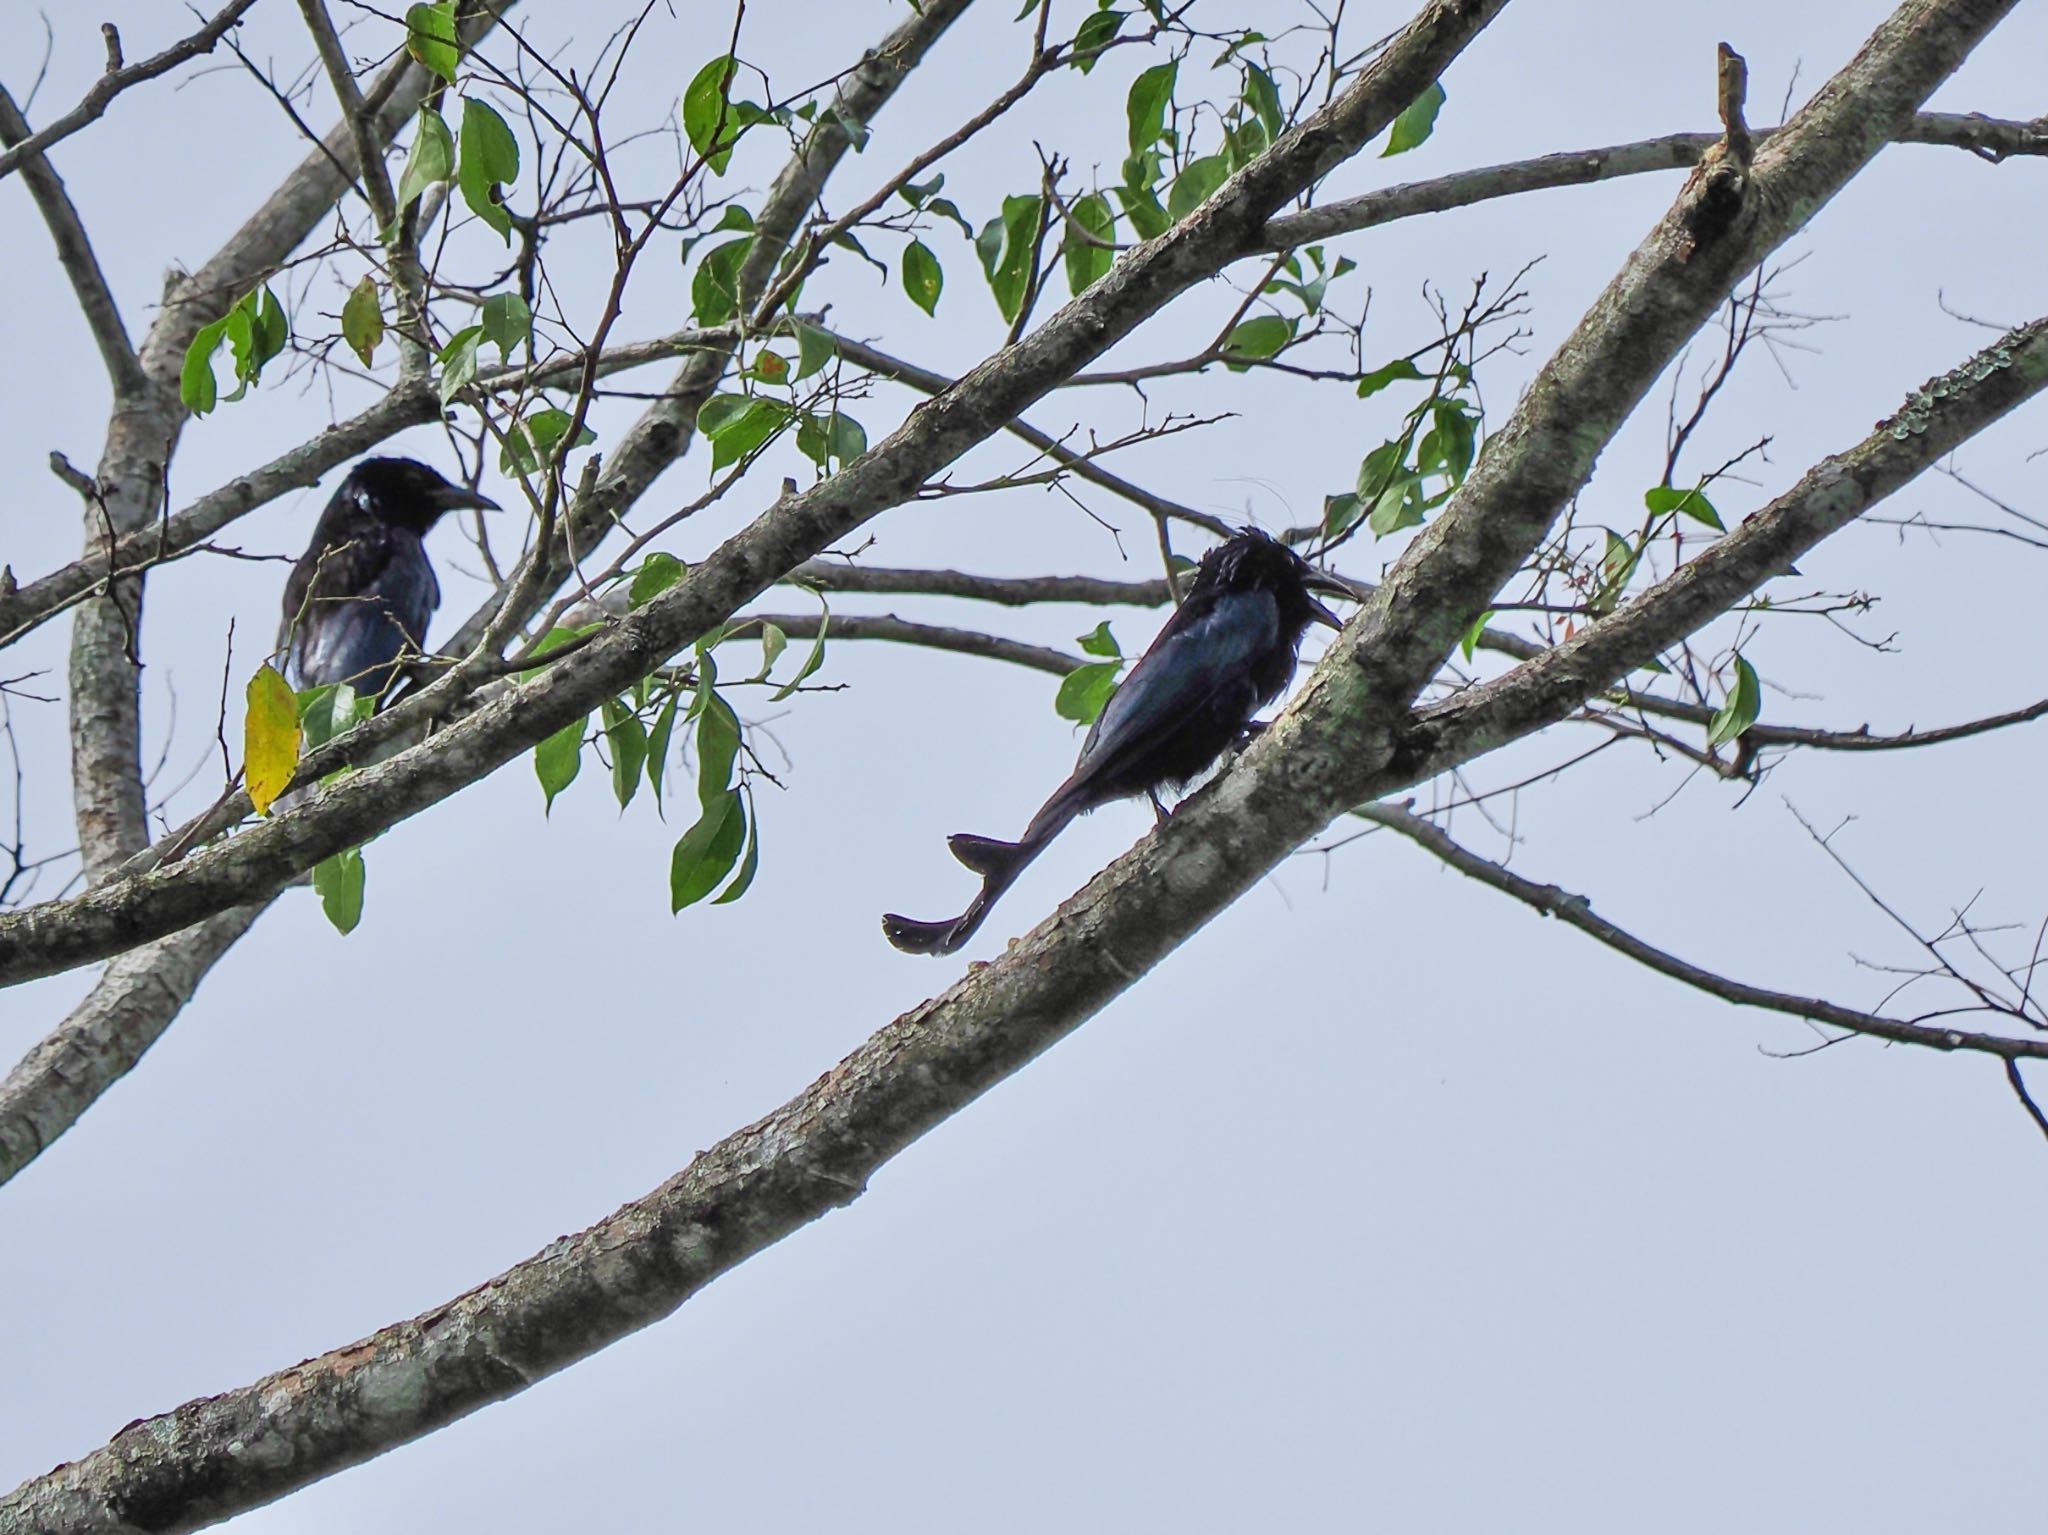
point(360, 597)
point(1226, 652)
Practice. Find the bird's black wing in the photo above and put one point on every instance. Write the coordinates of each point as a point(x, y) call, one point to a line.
point(360, 599)
point(1176, 687)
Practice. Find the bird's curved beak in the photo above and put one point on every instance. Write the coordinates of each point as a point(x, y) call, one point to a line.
point(461, 497)
point(1337, 587)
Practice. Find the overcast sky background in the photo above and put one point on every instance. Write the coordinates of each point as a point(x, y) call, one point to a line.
point(1383, 1202)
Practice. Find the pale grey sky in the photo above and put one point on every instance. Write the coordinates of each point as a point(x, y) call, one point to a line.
point(1383, 1203)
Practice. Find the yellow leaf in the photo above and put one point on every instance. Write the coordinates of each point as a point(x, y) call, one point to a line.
point(270, 738)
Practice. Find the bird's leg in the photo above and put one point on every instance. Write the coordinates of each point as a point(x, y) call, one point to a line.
point(1159, 811)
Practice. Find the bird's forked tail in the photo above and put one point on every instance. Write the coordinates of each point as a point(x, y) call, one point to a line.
point(998, 863)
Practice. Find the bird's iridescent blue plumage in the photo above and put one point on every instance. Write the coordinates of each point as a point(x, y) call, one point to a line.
point(360, 598)
point(1227, 651)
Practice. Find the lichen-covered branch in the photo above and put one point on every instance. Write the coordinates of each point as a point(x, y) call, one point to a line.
point(75, 255)
point(127, 1010)
point(1833, 493)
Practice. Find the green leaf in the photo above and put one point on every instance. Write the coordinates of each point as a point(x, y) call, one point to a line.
point(628, 740)
point(1261, 336)
point(1470, 642)
point(1400, 370)
point(1398, 506)
point(708, 119)
point(773, 643)
point(1100, 642)
point(1339, 513)
point(1006, 247)
point(1193, 186)
point(338, 880)
point(1094, 36)
point(1744, 703)
point(197, 386)
point(1416, 122)
point(557, 760)
point(828, 440)
point(1456, 436)
point(738, 424)
point(1143, 209)
point(430, 37)
point(458, 361)
point(721, 411)
point(1617, 568)
point(714, 291)
point(718, 744)
point(657, 573)
point(1145, 107)
point(750, 863)
point(922, 278)
point(1085, 690)
point(271, 332)
point(1263, 97)
point(508, 323)
point(1087, 253)
point(362, 320)
point(657, 743)
point(814, 348)
point(1244, 143)
point(547, 426)
point(1379, 469)
point(432, 158)
point(768, 368)
point(490, 159)
point(328, 710)
point(270, 738)
point(812, 661)
point(1662, 499)
point(706, 851)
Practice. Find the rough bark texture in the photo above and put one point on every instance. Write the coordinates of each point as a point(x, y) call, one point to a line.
point(126, 1012)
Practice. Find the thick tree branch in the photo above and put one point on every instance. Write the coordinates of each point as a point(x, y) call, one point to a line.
point(1576, 911)
point(1934, 422)
point(126, 1012)
point(115, 81)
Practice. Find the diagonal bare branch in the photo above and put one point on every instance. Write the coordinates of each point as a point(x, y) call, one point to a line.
point(118, 78)
point(75, 254)
point(1989, 137)
point(104, 1037)
point(1576, 911)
